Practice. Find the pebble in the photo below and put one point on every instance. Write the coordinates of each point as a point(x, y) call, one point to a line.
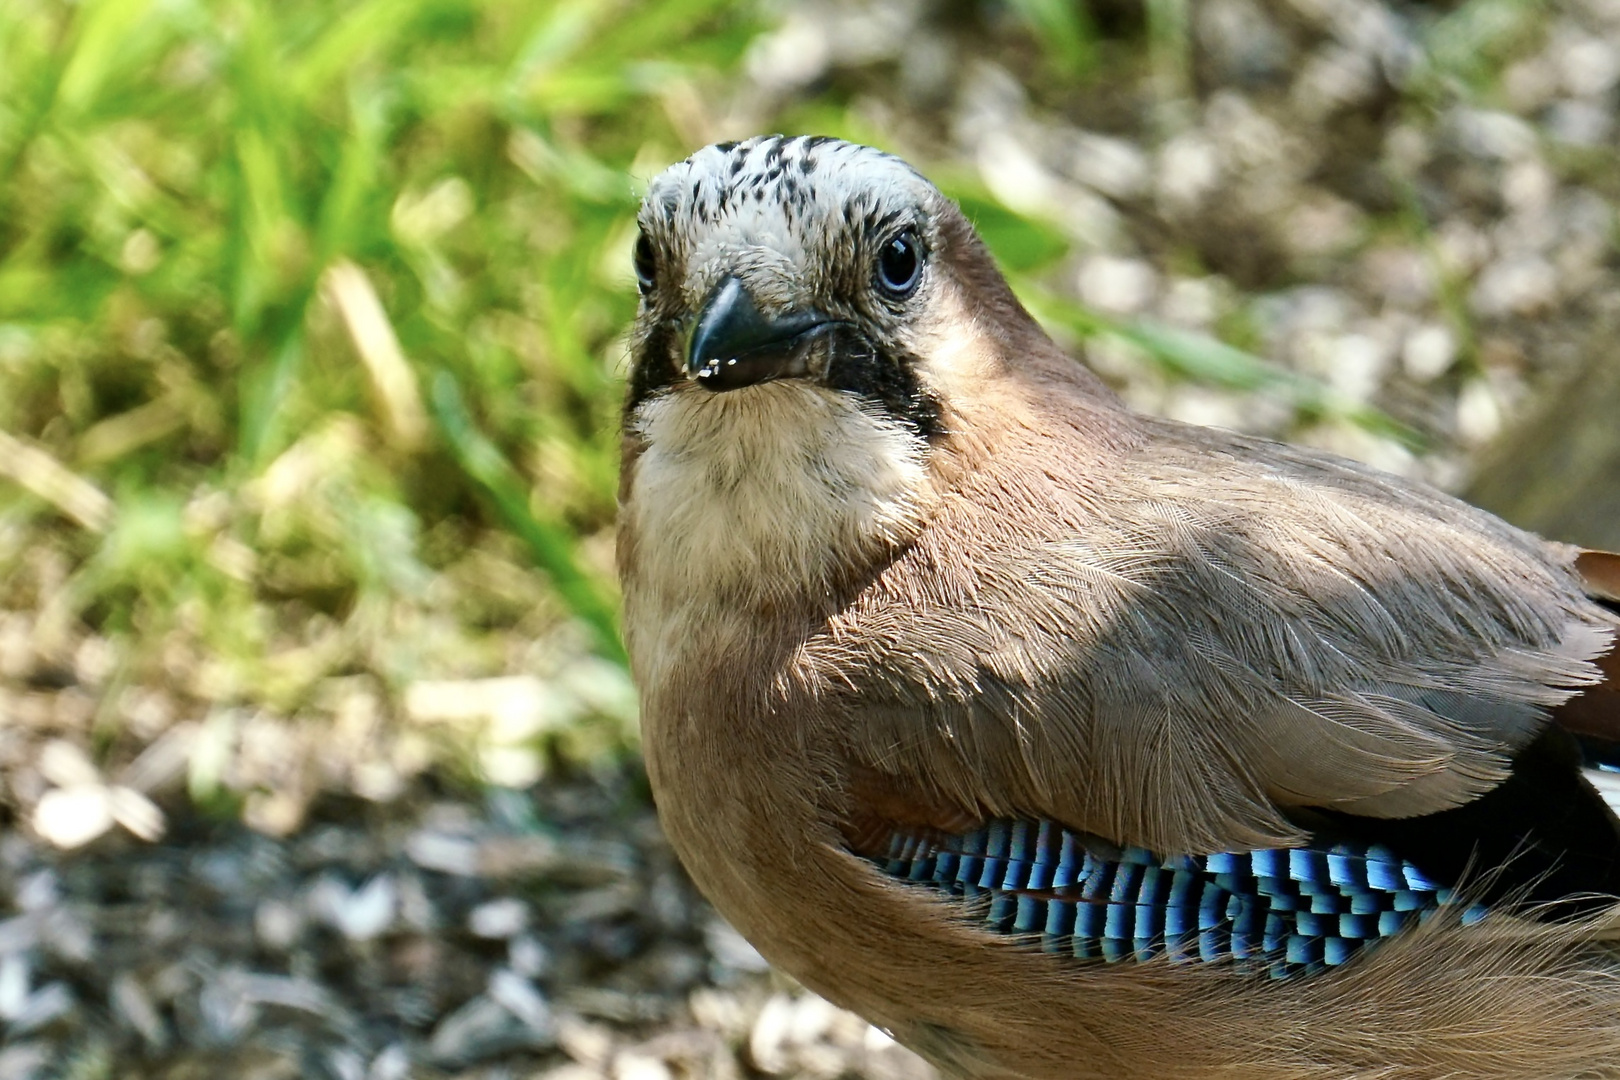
point(1429, 352)
point(501, 918)
point(70, 817)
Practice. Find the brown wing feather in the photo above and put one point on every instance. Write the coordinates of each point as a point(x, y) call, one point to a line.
point(1596, 712)
point(1173, 646)
point(880, 804)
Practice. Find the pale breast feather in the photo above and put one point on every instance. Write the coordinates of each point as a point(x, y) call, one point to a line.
point(758, 498)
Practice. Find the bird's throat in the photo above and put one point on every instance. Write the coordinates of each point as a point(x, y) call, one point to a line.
point(773, 488)
point(769, 497)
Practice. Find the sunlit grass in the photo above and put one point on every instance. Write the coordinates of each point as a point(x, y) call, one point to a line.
point(277, 278)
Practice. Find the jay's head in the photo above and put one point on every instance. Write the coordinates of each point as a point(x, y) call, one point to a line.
point(817, 325)
point(807, 260)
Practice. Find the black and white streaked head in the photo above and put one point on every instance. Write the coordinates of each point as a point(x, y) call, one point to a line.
point(780, 258)
point(810, 311)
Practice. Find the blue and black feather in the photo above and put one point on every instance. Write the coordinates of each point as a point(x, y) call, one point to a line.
point(1543, 841)
point(1281, 912)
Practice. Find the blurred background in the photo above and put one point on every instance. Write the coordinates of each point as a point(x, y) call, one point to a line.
point(317, 751)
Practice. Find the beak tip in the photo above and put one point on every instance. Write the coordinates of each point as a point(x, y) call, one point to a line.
point(728, 310)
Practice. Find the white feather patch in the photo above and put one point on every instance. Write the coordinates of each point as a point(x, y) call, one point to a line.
point(755, 496)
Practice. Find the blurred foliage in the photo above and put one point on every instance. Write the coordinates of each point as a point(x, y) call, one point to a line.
point(1069, 41)
point(240, 242)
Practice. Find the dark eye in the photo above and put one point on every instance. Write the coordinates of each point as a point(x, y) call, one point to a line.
point(900, 265)
point(646, 265)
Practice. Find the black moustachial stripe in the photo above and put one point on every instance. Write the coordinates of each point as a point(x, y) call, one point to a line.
point(888, 380)
point(657, 370)
point(1277, 912)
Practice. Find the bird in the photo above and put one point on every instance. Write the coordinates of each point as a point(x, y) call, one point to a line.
point(1063, 741)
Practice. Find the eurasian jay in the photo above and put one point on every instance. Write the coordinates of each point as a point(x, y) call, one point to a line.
point(1063, 741)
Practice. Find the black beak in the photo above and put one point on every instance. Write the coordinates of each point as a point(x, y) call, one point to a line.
point(734, 345)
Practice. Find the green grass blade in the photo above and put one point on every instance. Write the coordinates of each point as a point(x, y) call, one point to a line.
point(549, 542)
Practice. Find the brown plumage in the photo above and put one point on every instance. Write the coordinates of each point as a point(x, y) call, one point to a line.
point(896, 568)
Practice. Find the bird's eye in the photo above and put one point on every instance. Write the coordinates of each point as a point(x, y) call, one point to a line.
point(646, 265)
point(900, 265)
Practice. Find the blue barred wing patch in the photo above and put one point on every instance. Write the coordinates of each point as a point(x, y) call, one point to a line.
point(1280, 912)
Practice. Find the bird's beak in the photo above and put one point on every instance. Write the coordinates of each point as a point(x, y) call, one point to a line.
point(734, 345)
